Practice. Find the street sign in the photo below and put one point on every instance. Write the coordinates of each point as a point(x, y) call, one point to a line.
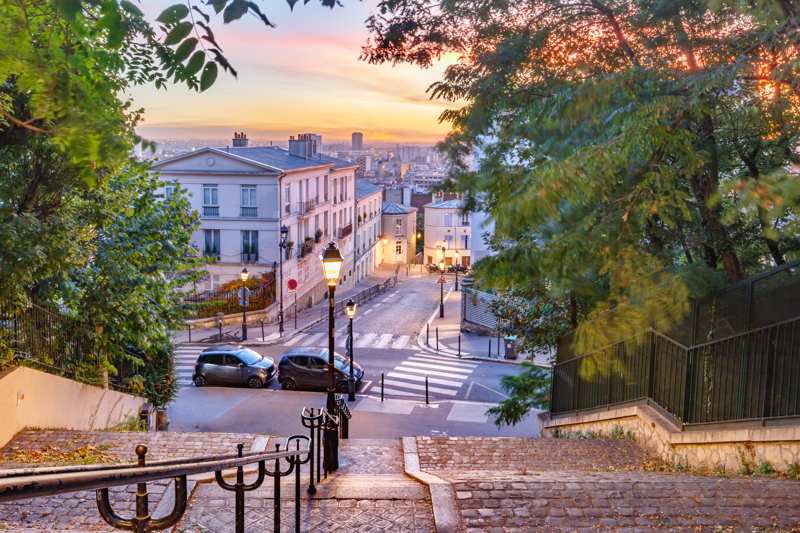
point(244, 294)
point(292, 284)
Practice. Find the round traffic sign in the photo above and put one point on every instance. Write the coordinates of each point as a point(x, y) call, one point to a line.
point(292, 284)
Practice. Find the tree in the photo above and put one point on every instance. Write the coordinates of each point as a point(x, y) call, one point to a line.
point(630, 151)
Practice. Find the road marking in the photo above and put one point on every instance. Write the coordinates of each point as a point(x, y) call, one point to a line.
point(422, 378)
point(294, 340)
point(466, 372)
point(365, 340)
point(452, 363)
point(401, 342)
point(399, 392)
point(368, 311)
point(385, 339)
point(314, 339)
point(415, 386)
point(492, 390)
point(426, 372)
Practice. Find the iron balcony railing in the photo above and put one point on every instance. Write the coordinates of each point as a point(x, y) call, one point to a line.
point(750, 375)
point(304, 208)
point(248, 211)
point(210, 210)
point(249, 258)
point(345, 231)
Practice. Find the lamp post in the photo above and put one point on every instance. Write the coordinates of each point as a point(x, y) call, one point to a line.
point(331, 266)
point(282, 246)
point(350, 309)
point(455, 260)
point(244, 274)
point(442, 281)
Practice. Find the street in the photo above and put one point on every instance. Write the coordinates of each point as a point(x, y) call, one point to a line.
point(389, 340)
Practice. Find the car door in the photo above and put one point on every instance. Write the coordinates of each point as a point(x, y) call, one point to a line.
point(233, 370)
point(298, 370)
point(317, 375)
point(213, 368)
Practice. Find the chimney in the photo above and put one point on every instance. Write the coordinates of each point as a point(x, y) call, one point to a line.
point(304, 146)
point(239, 139)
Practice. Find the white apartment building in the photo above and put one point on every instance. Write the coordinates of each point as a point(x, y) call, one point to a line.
point(399, 233)
point(245, 194)
point(448, 233)
point(369, 254)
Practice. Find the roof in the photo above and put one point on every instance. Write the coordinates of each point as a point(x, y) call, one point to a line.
point(365, 188)
point(392, 208)
point(280, 158)
point(446, 204)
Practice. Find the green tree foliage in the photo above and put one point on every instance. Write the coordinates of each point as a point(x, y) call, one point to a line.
point(530, 389)
point(633, 153)
point(82, 229)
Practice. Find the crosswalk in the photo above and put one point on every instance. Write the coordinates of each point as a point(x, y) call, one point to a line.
point(185, 358)
point(445, 375)
point(384, 341)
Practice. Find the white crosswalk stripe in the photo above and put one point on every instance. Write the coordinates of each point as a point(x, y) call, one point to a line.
point(380, 341)
point(445, 376)
point(185, 359)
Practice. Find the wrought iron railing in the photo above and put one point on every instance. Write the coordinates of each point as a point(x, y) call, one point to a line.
point(248, 211)
point(210, 210)
point(345, 231)
point(751, 375)
point(298, 450)
point(210, 303)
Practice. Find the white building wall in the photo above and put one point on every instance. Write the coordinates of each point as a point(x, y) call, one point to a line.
point(445, 227)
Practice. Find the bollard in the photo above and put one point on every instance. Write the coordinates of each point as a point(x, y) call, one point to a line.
point(490, 347)
point(459, 345)
point(427, 401)
point(498, 344)
point(190, 333)
point(381, 387)
point(427, 334)
point(262, 330)
point(437, 339)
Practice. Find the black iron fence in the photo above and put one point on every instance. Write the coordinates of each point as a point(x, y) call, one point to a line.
point(210, 303)
point(749, 375)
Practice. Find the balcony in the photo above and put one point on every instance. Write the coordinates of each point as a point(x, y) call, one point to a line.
point(304, 208)
point(345, 231)
point(246, 211)
point(210, 210)
point(249, 258)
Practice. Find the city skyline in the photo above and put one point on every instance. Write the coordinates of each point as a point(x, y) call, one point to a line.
point(302, 75)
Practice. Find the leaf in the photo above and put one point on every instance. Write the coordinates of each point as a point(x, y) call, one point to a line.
point(131, 8)
point(209, 75)
point(173, 14)
point(186, 48)
point(255, 9)
point(218, 5)
point(70, 8)
point(177, 34)
point(201, 13)
point(195, 63)
point(234, 11)
point(291, 4)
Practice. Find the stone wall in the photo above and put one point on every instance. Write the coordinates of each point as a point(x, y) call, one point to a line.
point(30, 398)
point(729, 449)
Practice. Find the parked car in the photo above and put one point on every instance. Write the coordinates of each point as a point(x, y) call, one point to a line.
point(230, 364)
point(307, 368)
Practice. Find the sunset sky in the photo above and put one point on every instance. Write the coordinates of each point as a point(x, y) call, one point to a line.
point(303, 75)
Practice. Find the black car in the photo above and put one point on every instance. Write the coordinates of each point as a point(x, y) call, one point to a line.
point(230, 364)
point(307, 368)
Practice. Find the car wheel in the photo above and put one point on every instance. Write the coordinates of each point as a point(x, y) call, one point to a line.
point(288, 384)
point(200, 381)
point(254, 383)
point(342, 387)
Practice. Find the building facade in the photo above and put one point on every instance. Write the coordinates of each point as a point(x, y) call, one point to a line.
point(245, 194)
point(368, 251)
point(357, 141)
point(399, 233)
point(448, 233)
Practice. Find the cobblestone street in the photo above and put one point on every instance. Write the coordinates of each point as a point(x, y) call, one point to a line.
point(569, 485)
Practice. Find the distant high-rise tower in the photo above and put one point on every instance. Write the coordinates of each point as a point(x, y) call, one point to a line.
point(358, 140)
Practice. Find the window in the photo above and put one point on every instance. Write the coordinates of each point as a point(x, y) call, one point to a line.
point(448, 239)
point(211, 243)
point(249, 246)
point(213, 359)
point(169, 190)
point(465, 219)
point(287, 199)
point(248, 207)
point(232, 360)
point(334, 191)
point(465, 239)
point(398, 247)
point(398, 226)
point(210, 201)
point(325, 223)
point(317, 190)
point(448, 219)
point(300, 360)
point(325, 187)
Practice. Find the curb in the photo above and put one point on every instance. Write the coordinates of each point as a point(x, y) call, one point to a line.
point(443, 497)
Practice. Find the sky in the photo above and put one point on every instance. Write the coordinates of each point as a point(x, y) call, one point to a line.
point(304, 75)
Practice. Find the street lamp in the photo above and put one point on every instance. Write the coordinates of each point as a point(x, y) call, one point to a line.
point(442, 281)
point(350, 309)
point(282, 246)
point(244, 274)
point(331, 267)
point(455, 260)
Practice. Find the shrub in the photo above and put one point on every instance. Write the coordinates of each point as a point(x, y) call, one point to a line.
point(765, 468)
point(793, 470)
point(617, 433)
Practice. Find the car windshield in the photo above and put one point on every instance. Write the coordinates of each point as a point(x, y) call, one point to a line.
point(248, 356)
point(340, 361)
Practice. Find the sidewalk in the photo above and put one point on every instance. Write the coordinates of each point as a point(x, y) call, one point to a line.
point(259, 333)
point(472, 345)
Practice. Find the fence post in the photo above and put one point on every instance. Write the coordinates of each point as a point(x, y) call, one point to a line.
point(427, 402)
point(459, 345)
point(428, 334)
point(437, 339)
point(490, 348)
point(190, 333)
point(381, 387)
point(651, 367)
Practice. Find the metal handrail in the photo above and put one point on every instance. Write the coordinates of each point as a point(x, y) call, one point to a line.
point(28, 484)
